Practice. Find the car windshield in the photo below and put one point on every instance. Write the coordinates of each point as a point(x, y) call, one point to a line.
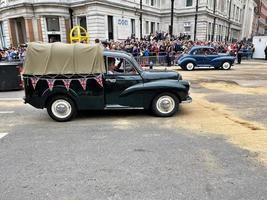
point(136, 63)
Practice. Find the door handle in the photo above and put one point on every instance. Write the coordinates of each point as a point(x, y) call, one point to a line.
point(111, 80)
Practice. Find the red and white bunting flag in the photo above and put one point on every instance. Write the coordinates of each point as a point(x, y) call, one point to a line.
point(34, 81)
point(67, 83)
point(83, 82)
point(50, 83)
point(99, 80)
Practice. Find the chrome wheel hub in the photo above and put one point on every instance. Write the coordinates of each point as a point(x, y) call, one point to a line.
point(61, 108)
point(190, 66)
point(165, 104)
point(226, 65)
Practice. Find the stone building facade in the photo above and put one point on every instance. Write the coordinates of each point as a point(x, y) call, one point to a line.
point(22, 21)
point(260, 18)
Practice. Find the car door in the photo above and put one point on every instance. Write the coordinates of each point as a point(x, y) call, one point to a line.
point(210, 55)
point(198, 55)
point(118, 81)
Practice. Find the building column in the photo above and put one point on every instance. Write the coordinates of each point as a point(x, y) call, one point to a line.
point(67, 27)
point(40, 30)
point(29, 30)
point(63, 30)
point(12, 33)
point(97, 27)
point(43, 33)
point(5, 36)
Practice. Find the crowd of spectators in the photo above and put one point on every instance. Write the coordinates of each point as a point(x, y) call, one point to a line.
point(12, 54)
point(162, 46)
point(168, 49)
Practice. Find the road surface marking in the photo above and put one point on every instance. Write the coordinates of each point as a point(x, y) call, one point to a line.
point(11, 99)
point(7, 112)
point(3, 135)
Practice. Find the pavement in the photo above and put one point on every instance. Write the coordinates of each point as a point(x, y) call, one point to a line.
point(214, 148)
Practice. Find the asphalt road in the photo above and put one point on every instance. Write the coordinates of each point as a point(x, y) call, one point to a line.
point(132, 155)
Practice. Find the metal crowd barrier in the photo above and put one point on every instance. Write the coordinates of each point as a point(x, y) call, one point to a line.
point(161, 60)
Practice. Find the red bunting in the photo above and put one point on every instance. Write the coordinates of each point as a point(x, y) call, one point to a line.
point(50, 83)
point(99, 80)
point(34, 82)
point(83, 83)
point(67, 83)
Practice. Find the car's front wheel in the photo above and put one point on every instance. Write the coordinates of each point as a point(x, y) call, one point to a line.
point(165, 105)
point(61, 108)
point(190, 66)
point(226, 66)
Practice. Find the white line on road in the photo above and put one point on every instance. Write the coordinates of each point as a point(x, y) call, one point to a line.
point(3, 135)
point(11, 99)
point(7, 112)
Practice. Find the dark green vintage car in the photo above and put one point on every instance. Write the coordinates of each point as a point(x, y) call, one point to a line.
point(127, 86)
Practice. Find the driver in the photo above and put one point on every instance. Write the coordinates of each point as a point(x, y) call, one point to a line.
point(112, 67)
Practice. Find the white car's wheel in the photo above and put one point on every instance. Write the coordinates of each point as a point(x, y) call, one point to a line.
point(226, 65)
point(190, 66)
point(165, 105)
point(61, 108)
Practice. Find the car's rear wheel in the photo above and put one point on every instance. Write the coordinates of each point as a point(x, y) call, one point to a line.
point(165, 105)
point(61, 108)
point(226, 66)
point(190, 66)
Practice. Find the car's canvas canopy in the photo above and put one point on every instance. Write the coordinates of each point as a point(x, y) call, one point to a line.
point(63, 59)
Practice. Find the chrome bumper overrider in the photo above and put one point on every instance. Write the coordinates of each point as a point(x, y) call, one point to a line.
point(188, 100)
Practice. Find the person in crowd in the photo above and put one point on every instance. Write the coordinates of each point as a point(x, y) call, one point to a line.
point(239, 53)
point(253, 50)
point(97, 41)
point(265, 51)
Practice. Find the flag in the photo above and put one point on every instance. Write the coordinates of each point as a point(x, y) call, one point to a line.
point(99, 80)
point(83, 82)
point(67, 83)
point(50, 83)
point(34, 82)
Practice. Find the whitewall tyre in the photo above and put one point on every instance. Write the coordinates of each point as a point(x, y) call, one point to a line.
point(226, 66)
point(61, 108)
point(165, 105)
point(190, 66)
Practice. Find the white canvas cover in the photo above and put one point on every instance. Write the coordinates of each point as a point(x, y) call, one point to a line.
point(62, 59)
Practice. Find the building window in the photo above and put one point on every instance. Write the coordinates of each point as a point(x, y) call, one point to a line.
point(152, 27)
point(82, 22)
point(147, 27)
point(187, 27)
point(240, 15)
point(157, 26)
point(237, 14)
point(2, 36)
point(110, 28)
point(52, 24)
point(209, 31)
point(152, 2)
point(222, 6)
point(133, 25)
point(233, 13)
point(189, 3)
